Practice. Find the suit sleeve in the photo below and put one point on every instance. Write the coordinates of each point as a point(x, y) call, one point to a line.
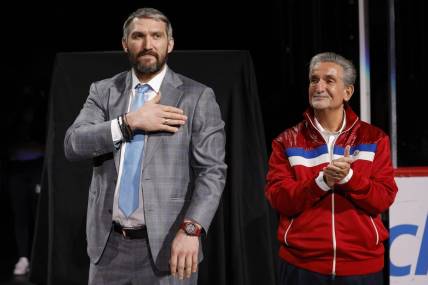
point(285, 193)
point(374, 193)
point(207, 159)
point(90, 134)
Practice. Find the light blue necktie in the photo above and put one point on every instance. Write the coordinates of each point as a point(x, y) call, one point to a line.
point(131, 171)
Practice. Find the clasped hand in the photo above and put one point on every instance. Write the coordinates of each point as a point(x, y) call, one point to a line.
point(338, 168)
point(153, 116)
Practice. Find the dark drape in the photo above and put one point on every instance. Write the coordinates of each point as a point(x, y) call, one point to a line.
point(240, 247)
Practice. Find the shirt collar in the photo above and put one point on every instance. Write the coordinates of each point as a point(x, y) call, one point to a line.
point(154, 83)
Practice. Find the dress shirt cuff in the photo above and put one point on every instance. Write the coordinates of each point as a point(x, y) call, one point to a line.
point(347, 177)
point(321, 183)
point(116, 134)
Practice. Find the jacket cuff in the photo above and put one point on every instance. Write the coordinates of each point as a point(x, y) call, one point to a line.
point(347, 177)
point(321, 183)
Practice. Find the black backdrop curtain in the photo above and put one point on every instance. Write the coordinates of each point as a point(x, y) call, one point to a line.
point(240, 247)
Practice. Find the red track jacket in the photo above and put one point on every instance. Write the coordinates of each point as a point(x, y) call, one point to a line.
point(335, 232)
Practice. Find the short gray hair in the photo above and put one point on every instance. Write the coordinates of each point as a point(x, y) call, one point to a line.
point(349, 71)
point(148, 13)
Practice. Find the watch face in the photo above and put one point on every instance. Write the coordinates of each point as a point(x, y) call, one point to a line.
point(190, 228)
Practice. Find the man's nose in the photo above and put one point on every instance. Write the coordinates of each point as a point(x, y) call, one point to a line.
point(147, 43)
point(320, 86)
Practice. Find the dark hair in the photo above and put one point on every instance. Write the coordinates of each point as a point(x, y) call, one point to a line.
point(149, 13)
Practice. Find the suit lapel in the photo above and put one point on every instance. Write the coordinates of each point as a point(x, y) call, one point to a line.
point(170, 95)
point(118, 104)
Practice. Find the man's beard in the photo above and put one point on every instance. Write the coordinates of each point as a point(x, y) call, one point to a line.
point(148, 69)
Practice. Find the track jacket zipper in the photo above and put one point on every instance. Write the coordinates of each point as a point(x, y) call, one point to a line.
point(333, 225)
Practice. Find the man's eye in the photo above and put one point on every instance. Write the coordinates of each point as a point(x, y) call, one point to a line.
point(136, 36)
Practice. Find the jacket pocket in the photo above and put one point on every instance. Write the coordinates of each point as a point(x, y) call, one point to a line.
point(375, 230)
point(287, 230)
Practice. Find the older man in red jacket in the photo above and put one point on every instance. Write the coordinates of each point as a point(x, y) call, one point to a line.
point(330, 177)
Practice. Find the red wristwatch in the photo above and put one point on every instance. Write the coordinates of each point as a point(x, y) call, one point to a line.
point(191, 229)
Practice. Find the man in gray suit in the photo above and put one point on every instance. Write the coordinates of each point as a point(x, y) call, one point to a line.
point(158, 144)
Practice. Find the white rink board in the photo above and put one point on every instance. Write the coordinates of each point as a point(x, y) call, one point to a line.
point(408, 217)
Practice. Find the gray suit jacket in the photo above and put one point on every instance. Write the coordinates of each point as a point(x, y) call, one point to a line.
point(183, 173)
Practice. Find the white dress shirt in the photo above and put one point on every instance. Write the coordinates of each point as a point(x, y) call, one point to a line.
point(137, 218)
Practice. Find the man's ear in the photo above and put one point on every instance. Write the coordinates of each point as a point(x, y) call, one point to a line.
point(170, 45)
point(349, 91)
point(124, 45)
